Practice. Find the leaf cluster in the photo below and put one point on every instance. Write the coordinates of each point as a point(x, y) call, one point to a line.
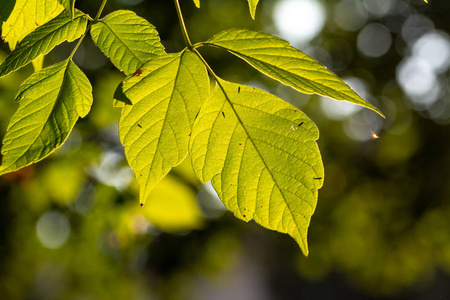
point(259, 151)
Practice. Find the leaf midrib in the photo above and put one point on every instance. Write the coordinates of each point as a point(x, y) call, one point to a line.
point(265, 165)
point(45, 123)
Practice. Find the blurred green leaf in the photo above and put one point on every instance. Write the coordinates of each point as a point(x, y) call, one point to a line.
point(127, 39)
point(261, 155)
point(50, 102)
point(279, 60)
point(26, 16)
point(42, 40)
point(167, 93)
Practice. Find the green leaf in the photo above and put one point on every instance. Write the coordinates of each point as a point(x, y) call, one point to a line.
point(69, 5)
point(261, 155)
point(279, 60)
point(42, 40)
point(197, 3)
point(127, 39)
point(50, 102)
point(26, 16)
point(167, 93)
point(252, 6)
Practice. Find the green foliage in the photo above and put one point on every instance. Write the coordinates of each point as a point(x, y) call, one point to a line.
point(50, 102)
point(261, 155)
point(69, 6)
point(26, 16)
point(44, 39)
point(166, 93)
point(127, 40)
point(278, 59)
point(259, 152)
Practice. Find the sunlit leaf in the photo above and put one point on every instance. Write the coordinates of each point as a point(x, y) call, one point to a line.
point(278, 59)
point(6, 7)
point(261, 155)
point(252, 5)
point(197, 3)
point(50, 102)
point(69, 5)
point(38, 63)
point(44, 39)
point(167, 92)
point(127, 39)
point(26, 16)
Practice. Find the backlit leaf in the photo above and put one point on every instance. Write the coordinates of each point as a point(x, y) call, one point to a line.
point(26, 16)
point(127, 39)
point(252, 5)
point(167, 93)
point(279, 60)
point(50, 102)
point(69, 5)
point(262, 157)
point(44, 39)
point(197, 3)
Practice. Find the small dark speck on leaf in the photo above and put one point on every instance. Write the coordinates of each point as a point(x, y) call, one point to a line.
point(223, 114)
point(318, 178)
point(300, 124)
point(137, 73)
point(243, 216)
point(239, 90)
point(139, 125)
point(240, 144)
point(189, 134)
point(142, 204)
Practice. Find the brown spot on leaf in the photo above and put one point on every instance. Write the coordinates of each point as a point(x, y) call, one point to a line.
point(223, 114)
point(137, 73)
point(139, 125)
point(142, 204)
point(300, 124)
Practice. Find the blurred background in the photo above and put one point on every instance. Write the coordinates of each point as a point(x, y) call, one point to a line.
point(71, 226)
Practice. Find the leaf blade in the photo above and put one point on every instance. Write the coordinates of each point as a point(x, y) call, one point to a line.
point(69, 5)
point(252, 6)
point(277, 59)
point(26, 16)
point(127, 39)
point(42, 40)
point(50, 102)
point(166, 96)
point(261, 155)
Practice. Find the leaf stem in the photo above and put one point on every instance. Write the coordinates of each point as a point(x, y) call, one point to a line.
point(182, 25)
point(210, 71)
point(100, 10)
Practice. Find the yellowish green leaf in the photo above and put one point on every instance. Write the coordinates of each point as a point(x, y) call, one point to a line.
point(50, 102)
point(69, 5)
point(279, 60)
point(44, 39)
point(26, 16)
point(252, 6)
point(262, 157)
point(127, 39)
point(167, 93)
